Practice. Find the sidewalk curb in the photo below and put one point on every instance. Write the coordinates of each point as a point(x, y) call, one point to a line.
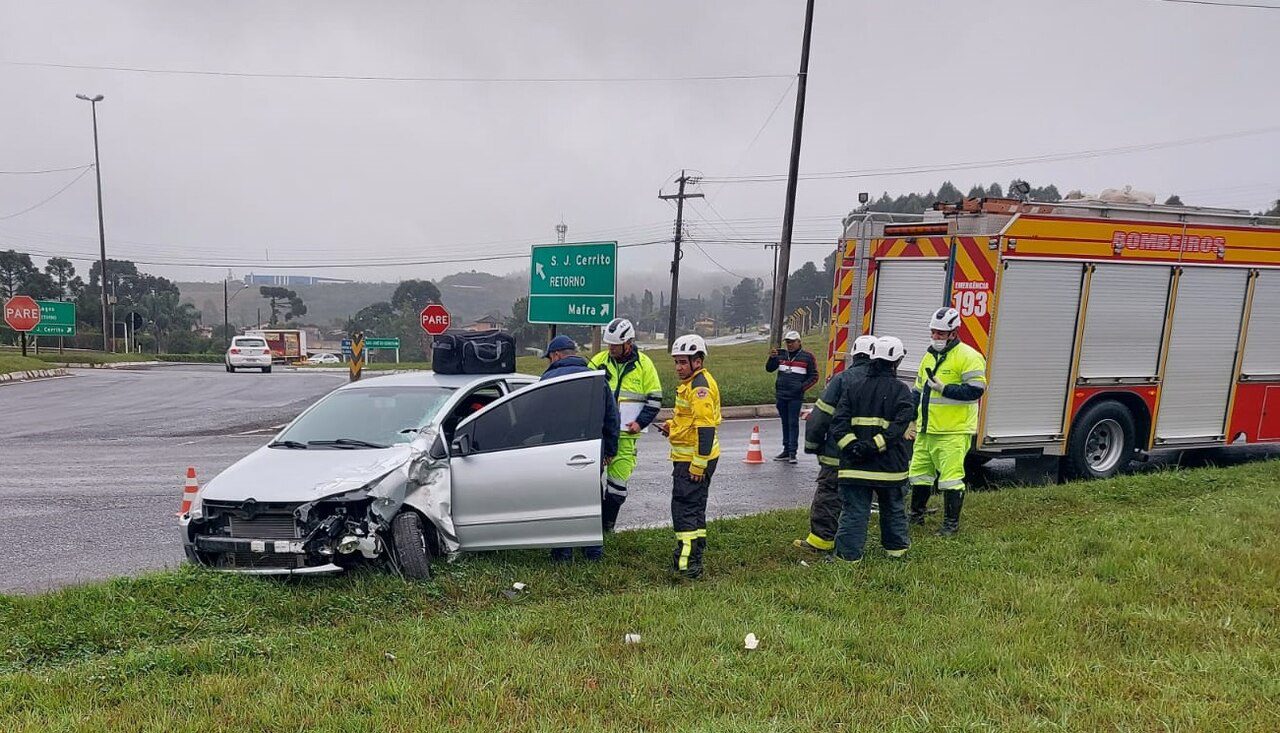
point(32, 375)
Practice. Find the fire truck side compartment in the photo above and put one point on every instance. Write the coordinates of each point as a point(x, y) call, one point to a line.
point(1202, 351)
point(1033, 343)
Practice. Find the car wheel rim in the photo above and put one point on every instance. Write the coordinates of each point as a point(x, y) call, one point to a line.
point(1104, 446)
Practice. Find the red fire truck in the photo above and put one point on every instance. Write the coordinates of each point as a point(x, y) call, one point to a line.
point(1110, 329)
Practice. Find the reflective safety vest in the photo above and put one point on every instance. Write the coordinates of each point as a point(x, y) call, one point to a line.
point(635, 384)
point(693, 423)
point(956, 410)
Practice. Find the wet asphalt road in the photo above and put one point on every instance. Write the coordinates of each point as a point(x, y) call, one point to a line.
point(92, 466)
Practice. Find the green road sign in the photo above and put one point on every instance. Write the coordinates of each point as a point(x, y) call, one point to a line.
point(573, 283)
point(57, 318)
point(375, 343)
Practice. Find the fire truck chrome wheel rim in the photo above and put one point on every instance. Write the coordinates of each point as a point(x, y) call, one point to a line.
point(1102, 447)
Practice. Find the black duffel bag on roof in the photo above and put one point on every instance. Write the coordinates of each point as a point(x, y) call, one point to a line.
point(473, 352)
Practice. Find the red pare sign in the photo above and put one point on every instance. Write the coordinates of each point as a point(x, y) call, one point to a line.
point(22, 313)
point(435, 319)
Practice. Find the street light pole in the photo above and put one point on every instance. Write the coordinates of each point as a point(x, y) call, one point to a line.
point(107, 338)
point(226, 303)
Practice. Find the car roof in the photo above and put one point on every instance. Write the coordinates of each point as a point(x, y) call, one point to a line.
point(431, 379)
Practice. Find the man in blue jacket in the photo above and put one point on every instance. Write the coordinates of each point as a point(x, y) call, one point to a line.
point(562, 355)
point(797, 372)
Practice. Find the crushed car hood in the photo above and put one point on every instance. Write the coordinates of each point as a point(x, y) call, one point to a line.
point(287, 475)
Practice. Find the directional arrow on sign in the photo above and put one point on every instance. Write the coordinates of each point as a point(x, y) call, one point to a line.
point(604, 309)
point(541, 273)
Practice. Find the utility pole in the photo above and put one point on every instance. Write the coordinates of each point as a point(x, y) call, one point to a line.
point(675, 258)
point(789, 214)
point(108, 339)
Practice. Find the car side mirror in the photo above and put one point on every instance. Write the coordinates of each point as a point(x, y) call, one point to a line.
point(437, 452)
point(461, 445)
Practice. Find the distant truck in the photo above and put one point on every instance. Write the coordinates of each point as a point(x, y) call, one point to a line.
point(288, 345)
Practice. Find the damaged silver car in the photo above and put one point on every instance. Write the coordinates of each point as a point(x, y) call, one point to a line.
point(401, 469)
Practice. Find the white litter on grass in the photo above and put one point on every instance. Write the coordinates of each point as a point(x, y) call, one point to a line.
point(802, 562)
point(519, 586)
point(751, 642)
point(631, 639)
point(390, 657)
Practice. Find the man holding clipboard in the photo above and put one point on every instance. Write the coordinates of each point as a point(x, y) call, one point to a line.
point(638, 391)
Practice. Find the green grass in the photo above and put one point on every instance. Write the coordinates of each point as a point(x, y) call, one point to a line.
point(738, 369)
point(89, 357)
point(1141, 603)
point(16, 363)
point(191, 358)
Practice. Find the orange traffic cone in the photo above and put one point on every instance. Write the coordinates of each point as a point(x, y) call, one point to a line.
point(189, 491)
point(754, 454)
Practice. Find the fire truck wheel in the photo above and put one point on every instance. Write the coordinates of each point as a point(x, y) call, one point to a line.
point(1102, 442)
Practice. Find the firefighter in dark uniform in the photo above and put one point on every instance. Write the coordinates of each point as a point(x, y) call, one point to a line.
point(824, 512)
point(695, 451)
point(872, 423)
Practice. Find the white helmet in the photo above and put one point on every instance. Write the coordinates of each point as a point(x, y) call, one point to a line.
point(619, 331)
point(689, 345)
point(945, 319)
point(863, 345)
point(888, 348)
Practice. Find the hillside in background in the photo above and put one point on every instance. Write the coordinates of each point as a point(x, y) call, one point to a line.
point(325, 303)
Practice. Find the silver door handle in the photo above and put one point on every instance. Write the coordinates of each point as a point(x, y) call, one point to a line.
point(579, 461)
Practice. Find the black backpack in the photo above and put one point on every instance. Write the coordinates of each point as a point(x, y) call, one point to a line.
point(473, 352)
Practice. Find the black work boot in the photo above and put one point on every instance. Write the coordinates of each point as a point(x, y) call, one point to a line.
point(919, 503)
point(609, 510)
point(952, 501)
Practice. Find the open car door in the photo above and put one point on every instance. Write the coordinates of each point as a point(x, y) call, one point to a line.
point(526, 470)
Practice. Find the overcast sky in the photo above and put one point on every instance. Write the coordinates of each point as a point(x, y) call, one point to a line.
point(262, 172)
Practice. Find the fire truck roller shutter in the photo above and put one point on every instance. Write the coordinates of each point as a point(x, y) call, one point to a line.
point(907, 294)
point(1202, 353)
point(1124, 322)
point(1031, 359)
point(1262, 348)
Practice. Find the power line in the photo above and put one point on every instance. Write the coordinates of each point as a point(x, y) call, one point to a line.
point(46, 170)
point(53, 196)
point(713, 260)
point(240, 264)
point(1258, 6)
point(416, 79)
point(999, 162)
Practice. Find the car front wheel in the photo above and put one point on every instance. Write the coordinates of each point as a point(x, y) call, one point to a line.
point(409, 543)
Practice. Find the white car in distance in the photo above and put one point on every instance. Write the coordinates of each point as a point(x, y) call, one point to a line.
point(248, 352)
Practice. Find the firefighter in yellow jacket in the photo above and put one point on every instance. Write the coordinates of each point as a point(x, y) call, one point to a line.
point(695, 451)
point(951, 381)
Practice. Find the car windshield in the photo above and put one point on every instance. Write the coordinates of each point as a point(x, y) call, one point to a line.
point(251, 343)
point(366, 417)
